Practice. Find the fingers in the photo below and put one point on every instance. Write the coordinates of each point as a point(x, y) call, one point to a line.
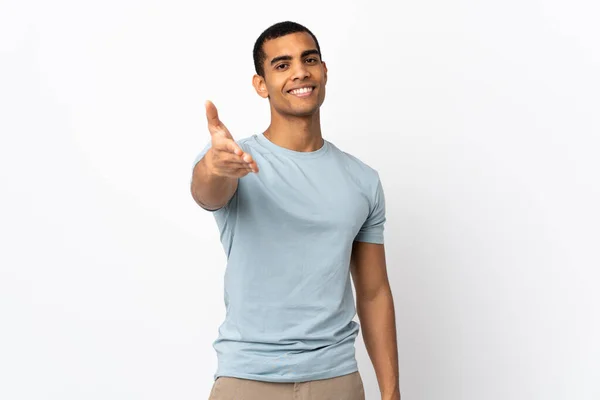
point(222, 160)
point(232, 170)
point(250, 163)
point(233, 160)
point(244, 161)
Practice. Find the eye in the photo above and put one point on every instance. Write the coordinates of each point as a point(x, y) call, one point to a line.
point(281, 66)
point(311, 60)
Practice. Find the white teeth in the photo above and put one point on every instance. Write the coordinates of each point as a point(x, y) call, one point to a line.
point(301, 90)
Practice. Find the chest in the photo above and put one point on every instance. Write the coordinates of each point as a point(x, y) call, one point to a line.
point(305, 199)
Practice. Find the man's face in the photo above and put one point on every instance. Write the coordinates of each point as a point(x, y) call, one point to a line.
point(295, 76)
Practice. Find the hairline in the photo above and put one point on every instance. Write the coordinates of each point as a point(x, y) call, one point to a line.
point(263, 55)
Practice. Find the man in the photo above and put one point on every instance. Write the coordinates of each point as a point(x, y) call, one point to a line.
point(297, 217)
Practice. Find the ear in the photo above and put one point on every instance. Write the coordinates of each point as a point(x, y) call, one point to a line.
point(260, 86)
point(325, 69)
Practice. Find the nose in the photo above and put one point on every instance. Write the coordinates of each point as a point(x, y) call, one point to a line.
point(300, 71)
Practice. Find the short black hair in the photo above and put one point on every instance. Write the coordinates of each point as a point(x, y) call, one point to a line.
point(273, 32)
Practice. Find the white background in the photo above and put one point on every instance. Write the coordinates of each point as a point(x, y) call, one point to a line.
point(481, 117)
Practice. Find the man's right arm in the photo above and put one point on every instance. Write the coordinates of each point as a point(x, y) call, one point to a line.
point(209, 190)
point(216, 176)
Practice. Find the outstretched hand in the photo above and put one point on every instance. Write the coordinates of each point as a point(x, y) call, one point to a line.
point(225, 157)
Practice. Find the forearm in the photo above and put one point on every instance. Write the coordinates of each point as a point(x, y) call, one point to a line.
point(378, 325)
point(209, 190)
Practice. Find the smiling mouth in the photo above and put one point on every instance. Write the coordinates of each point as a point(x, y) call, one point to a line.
point(302, 92)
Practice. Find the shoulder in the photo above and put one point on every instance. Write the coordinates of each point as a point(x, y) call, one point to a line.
point(356, 167)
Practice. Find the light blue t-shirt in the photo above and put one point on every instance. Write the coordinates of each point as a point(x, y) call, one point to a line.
point(287, 233)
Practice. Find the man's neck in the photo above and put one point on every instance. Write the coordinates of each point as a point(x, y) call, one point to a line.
point(298, 134)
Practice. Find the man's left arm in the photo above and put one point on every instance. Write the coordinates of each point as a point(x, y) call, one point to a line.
point(375, 309)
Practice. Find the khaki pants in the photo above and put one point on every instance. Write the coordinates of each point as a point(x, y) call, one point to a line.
point(345, 387)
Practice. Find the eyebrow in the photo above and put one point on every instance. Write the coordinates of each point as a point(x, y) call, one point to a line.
point(288, 58)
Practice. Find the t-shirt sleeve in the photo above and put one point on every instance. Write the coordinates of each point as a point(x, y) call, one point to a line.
point(372, 229)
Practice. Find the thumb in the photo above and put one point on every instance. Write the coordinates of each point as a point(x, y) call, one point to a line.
point(215, 126)
point(212, 116)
